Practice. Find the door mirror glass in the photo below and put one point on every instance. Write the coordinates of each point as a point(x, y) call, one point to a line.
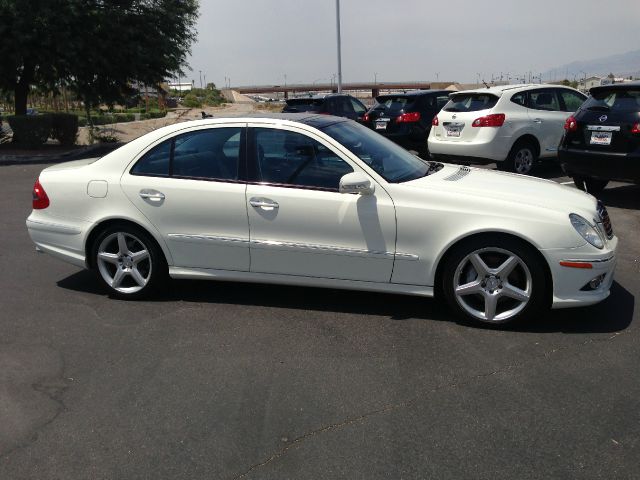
point(356, 182)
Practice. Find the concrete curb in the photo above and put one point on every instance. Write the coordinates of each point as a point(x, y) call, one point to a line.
point(88, 152)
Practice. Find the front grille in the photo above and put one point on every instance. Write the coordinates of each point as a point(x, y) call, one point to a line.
point(606, 221)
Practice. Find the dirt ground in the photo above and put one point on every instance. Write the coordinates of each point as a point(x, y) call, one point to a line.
point(126, 132)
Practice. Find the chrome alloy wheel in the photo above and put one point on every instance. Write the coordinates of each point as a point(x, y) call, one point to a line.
point(523, 160)
point(492, 284)
point(124, 262)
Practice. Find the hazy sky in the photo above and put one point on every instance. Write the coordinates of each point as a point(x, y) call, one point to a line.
point(258, 42)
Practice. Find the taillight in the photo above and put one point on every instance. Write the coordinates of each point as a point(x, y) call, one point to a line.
point(435, 122)
point(635, 128)
point(571, 124)
point(365, 117)
point(492, 120)
point(40, 199)
point(408, 117)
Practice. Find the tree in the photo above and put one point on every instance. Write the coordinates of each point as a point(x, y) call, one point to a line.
point(96, 47)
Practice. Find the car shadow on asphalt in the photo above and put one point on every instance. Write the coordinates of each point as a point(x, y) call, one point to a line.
point(623, 196)
point(613, 315)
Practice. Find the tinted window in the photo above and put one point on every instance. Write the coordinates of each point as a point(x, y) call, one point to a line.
point(470, 102)
point(571, 100)
point(520, 99)
point(304, 105)
point(441, 101)
point(544, 100)
point(394, 103)
point(614, 100)
point(358, 106)
point(290, 158)
point(391, 162)
point(210, 154)
point(155, 162)
point(343, 106)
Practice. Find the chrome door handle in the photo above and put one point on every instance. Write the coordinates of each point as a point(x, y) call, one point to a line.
point(263, 203)
point(151, 195)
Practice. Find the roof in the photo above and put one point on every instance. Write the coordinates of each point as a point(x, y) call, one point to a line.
point(500, 89)
point(312, 119)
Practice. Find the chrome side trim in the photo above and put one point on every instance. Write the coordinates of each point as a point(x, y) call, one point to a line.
point(354, 252)
point(207, 238)
point(407, 256)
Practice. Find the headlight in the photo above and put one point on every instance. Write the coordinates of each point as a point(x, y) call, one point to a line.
point(586, 230)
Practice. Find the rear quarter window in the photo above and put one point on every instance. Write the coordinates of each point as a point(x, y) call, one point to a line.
point(470, 102)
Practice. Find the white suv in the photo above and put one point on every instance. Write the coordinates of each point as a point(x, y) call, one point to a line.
point(512, 125)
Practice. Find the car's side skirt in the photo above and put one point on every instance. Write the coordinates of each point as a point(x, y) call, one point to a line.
point(251, 277)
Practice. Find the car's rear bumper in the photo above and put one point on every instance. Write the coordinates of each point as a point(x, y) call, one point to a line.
point(623, 167)
point(61, 239)
point(487, 149)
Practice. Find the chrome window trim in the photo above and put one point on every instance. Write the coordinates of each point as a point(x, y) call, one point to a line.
point(207, 238)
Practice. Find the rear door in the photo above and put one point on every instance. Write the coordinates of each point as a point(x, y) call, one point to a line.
point(191, 188)
point(547, 117)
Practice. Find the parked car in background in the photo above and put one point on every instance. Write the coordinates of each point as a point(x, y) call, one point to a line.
point(338, 104)
point(315, 200)
point(511, 125)
point(602, 139)
point(406, 118)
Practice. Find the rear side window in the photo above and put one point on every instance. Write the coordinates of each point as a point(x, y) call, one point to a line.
point(471, 102)
point(544, 100)
point(571, 100)
point(155, 162)
point(614, 100)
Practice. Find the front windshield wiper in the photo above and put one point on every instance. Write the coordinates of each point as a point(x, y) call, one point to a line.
point(432, 167)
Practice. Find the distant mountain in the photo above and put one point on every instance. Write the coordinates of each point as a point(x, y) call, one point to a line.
point(621, 65)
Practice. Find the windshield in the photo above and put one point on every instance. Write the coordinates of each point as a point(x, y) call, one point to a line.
point(614, 100)
point(391, 162)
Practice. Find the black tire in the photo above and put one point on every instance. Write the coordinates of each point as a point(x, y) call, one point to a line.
point(521, 159)
point(135, 273)
point(590, 185)
point(526, 280)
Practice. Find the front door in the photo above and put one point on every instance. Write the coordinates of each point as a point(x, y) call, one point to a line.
point(300, 224)
point(190, 187)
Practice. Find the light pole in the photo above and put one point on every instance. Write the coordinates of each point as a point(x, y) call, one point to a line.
point(339, 48)
point(375, 78)
point(200, 79)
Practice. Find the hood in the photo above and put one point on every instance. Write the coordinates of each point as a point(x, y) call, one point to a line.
point(507, 187)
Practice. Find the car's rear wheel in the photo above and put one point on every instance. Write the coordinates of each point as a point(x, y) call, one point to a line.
point(521, 159)
point(128, 261)
point(494, 281)
point(590, 185)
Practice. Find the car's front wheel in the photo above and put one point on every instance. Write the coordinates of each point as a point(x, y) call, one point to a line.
point(494, 281)
point(128, 261)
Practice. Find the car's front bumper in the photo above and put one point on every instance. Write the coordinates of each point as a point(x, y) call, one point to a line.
point(571, 284)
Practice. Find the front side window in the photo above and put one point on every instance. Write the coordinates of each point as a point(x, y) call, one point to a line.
point(544, 100)
point(212, 154)
point(358, 107)
point(293, 159)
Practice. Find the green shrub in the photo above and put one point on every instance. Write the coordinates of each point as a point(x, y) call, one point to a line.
point(64, 128)
point(30, 130)
point(191, 101)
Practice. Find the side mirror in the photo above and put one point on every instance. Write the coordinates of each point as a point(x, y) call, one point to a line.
point(356, 182)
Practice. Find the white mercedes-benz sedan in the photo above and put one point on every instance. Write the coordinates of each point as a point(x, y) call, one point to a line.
point(322, 201)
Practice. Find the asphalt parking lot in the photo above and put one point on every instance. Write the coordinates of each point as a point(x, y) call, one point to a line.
point(230, 381)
